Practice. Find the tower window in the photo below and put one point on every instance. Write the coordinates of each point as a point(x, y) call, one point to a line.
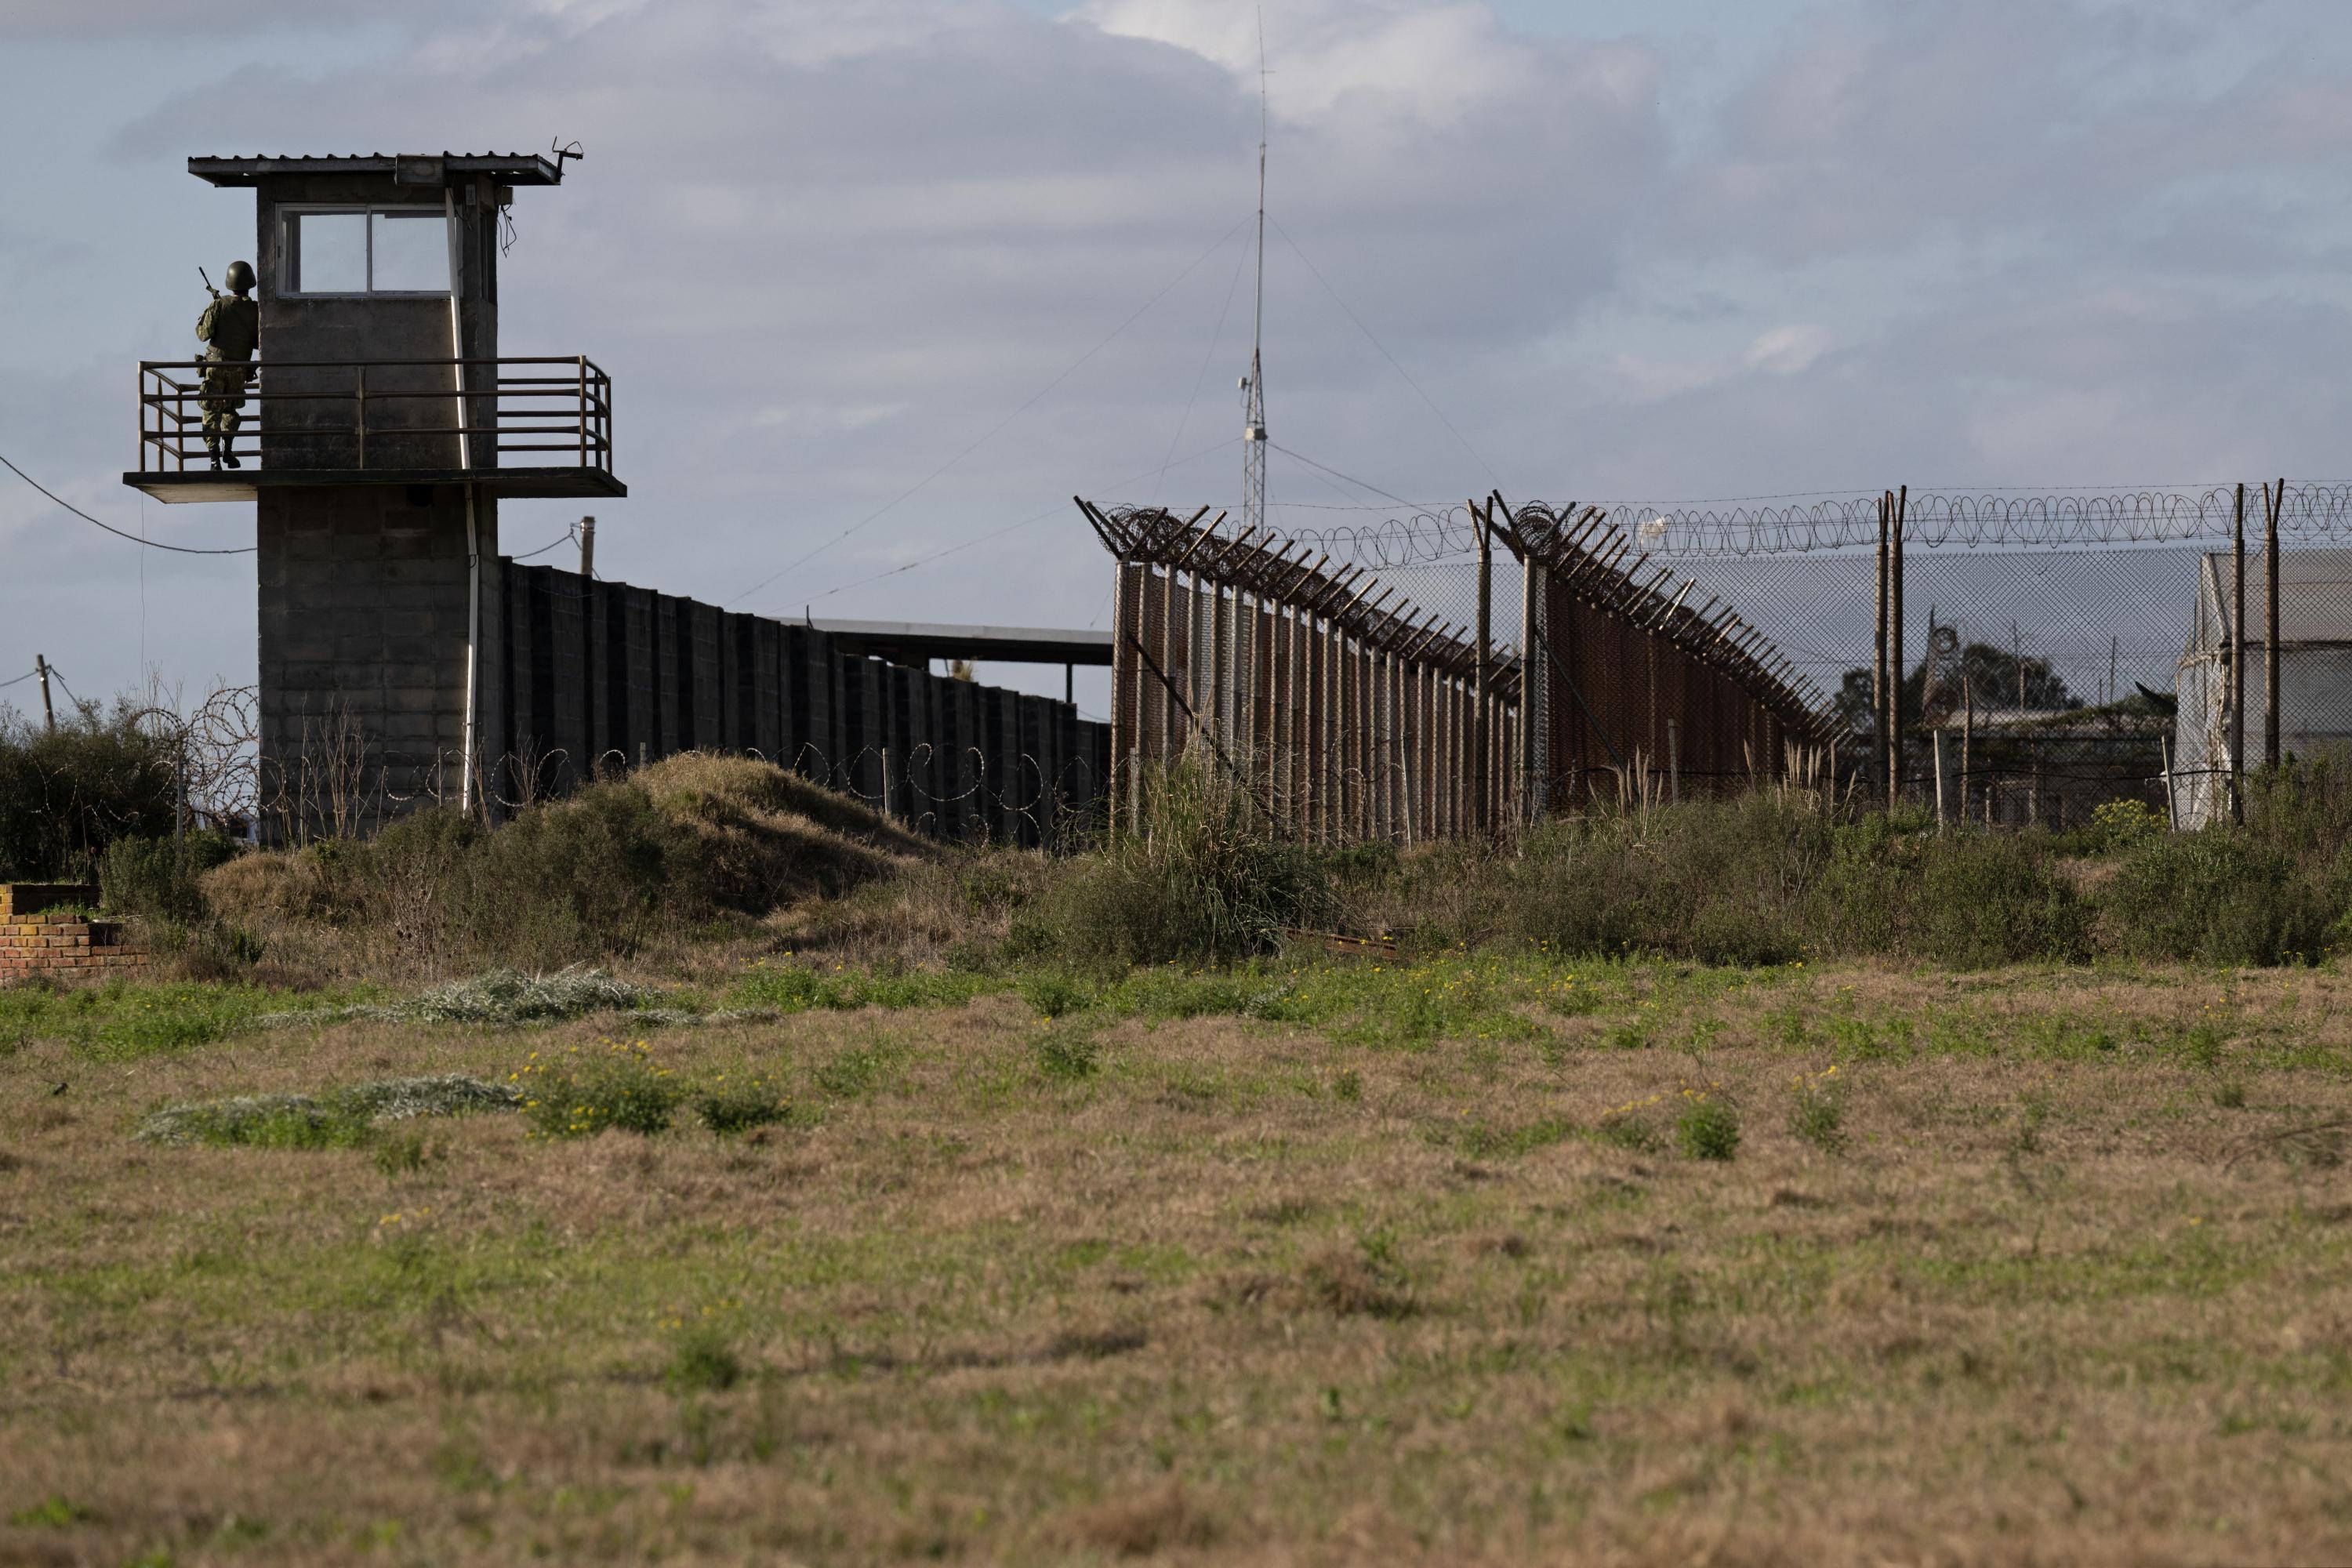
point(365, 250)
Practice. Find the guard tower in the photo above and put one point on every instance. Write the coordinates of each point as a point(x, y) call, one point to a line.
point(381, 429)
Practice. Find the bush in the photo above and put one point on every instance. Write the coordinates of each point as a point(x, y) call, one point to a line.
point(1708, 1128)
point(66, 794)
point(159, 877)
point(728, 1108)
point(1818, 1115)
point(582, 1093)
point(702, 1361)
point(1202, 880)
point(2220, 895)
point(1068, 1054)
point(1984, 899)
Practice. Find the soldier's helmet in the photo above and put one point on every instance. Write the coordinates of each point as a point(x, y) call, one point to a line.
point(239, 278)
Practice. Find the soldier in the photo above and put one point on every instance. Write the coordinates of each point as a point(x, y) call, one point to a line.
point(231, 329)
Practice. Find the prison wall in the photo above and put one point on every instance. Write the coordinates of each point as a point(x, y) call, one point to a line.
point(597, 676)
point(1622, 696)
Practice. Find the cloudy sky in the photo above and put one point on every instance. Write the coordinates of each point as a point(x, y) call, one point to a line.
point(878, 280)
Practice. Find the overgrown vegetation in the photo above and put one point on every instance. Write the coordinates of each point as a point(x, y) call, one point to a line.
point(1200, 880)
point(66, 795)
point(704, 850)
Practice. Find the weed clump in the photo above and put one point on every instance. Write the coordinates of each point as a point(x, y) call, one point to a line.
point(1068, 1054)
point(702, 1361)
point(1202, 880)
point(1707, 1127)
point(1818, 1117)
point(581, 1093)
point(158, 877)
point(728, 1108)
point(344, 1119)
point(502, 996)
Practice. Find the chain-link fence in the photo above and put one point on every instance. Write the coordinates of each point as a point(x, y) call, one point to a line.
point(2049, 653)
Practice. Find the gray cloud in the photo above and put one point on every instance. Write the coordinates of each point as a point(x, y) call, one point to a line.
point(823, 249)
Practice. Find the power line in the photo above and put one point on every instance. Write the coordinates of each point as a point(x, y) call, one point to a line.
point(151, 544)
point(1360, 484)
point(1068, 371)
point(19, 680)
point(569, 534)
point(1376, 343)
point(1199, 380)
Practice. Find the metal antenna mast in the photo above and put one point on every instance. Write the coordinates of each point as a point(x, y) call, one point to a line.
point(1254, 384)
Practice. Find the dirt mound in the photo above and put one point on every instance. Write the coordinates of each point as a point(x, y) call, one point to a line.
point(770, 837)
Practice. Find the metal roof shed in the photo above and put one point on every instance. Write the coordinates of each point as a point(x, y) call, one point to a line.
point(2314, 644)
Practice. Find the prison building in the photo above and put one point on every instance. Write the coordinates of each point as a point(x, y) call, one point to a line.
point(402, 659)
point(2315, 682)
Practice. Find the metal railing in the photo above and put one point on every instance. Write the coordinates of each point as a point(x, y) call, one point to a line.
point(325, 414)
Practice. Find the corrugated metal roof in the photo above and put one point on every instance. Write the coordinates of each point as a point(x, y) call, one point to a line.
point(238, 169)
point(2315, 598)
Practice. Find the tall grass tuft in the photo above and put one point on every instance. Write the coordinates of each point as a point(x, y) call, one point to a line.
point(1202, 878)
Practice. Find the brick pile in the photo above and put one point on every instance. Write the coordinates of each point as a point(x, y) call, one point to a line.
point(42, 934)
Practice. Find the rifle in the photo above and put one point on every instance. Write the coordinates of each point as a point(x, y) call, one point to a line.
point(208, 283)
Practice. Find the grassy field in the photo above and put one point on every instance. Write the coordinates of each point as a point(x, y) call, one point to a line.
point(1474, 1259)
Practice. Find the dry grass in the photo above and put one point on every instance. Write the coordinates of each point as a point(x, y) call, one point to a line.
point(1250, 1290)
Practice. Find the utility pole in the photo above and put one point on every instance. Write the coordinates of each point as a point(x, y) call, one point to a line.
point(1878, 698)
point(2238, 662)
point(1254, 384)
point(48, 711)
point(1899, 504)
point(588, 548)
point(1482, 761)
point(2274, 503)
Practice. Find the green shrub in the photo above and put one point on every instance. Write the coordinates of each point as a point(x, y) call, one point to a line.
point(1982, 899)
point(702, 1361)
point(1731, 932)
point(66, 794)
point(728, 1108)
point(1068, 1054)
point(1202, 881)
point(2221, 895)
point(1053, 993)
point(582, 1092)
point(1818, 1117)
point(1708, 1128)
point(157, 877)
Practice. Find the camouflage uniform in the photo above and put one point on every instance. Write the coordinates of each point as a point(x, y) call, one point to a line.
point(232, 329)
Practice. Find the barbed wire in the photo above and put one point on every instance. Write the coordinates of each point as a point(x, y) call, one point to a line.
point(1986, 517)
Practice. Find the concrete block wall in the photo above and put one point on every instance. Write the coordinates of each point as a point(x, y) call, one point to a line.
point(363, 646)
point(592, 677)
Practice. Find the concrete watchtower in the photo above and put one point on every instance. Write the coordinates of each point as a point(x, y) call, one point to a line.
point(381, 429)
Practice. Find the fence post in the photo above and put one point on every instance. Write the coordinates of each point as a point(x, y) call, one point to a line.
point(2272, 506)
point(1482, 762)
point(2237, 661)
point(1878, 647)
point(1968, 738)
point(1937, 736)
point(1674, 760)
point(1901, 505)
